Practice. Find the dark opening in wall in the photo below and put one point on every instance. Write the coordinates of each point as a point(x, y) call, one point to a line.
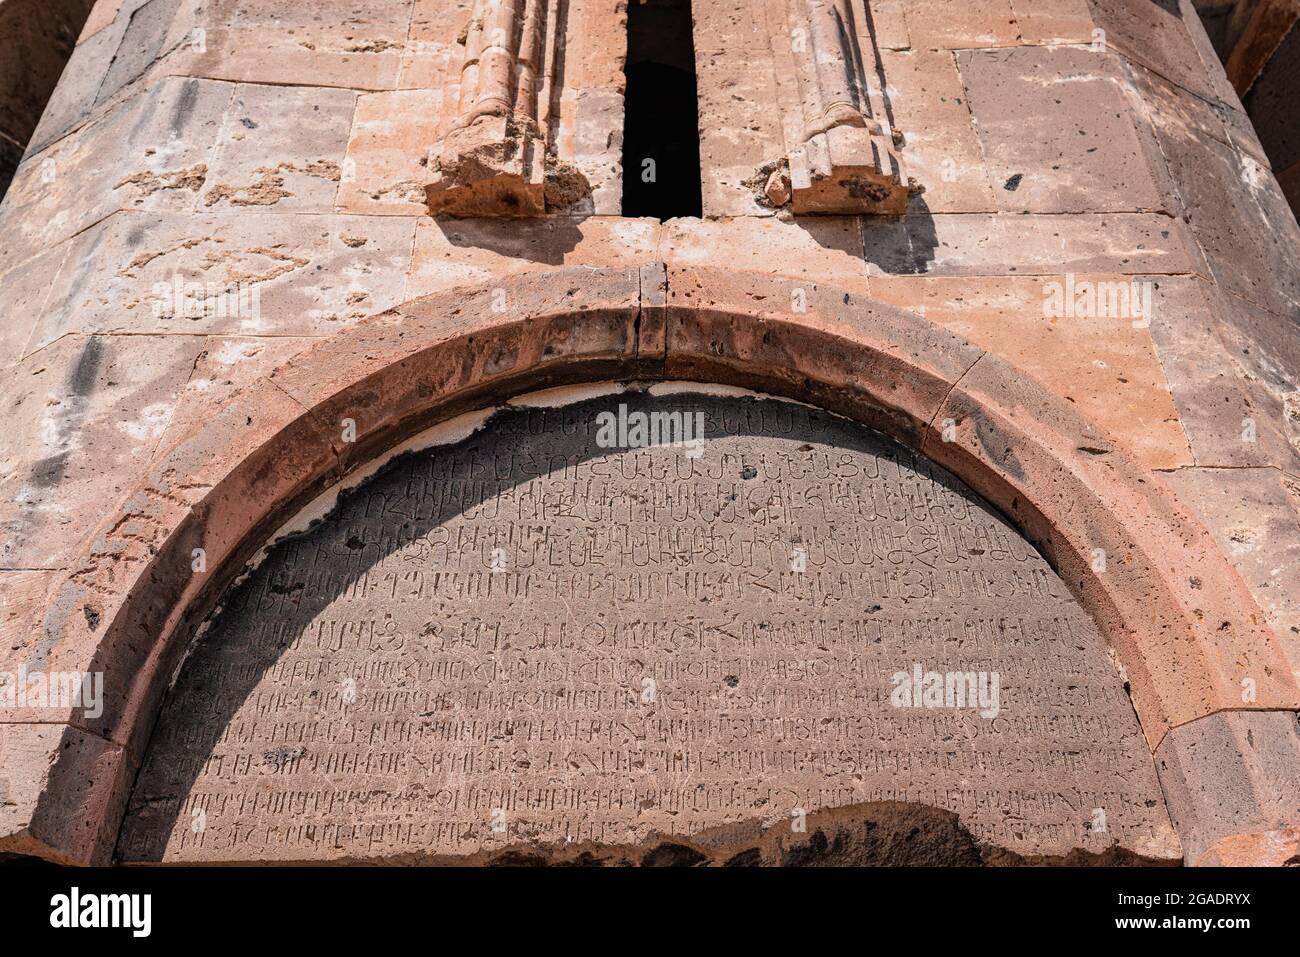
point(661, 136)
point(36, 39)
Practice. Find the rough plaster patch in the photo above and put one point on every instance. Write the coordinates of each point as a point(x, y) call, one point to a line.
point(1241, 541)
point(564, 395)
point(1252, 173)
point(233, 352)
point(60, 423)
point(151, 424)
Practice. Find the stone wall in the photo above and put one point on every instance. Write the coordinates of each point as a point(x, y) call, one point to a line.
point(283, 152)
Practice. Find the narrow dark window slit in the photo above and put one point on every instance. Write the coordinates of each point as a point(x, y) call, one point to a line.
point(661, 136)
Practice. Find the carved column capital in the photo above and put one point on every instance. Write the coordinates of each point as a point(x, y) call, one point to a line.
point(493, 161)
point(843, 159)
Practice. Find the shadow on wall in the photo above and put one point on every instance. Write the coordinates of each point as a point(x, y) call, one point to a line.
point(1259, 44)
point(36, 39)
point(544, 240)
point(902, 246)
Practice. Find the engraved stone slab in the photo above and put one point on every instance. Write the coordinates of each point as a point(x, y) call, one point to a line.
point(553, 641)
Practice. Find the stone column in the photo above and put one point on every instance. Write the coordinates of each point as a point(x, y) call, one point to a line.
point(844, 160)
point(493, 160)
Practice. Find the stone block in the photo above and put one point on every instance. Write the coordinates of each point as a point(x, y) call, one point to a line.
point(939, 139)
point(349, 44)
point(1247, 232)
point(24, 291)
point(1054, 21)
point(465, 252)
point(151, 152)
point(819, 249)
point(1086, 154)
point(1232, 781)
point(245, 271)
point(739, 129)
point(1104, 364)
point(282, 149)
point(387, 155)
point(147, 29)
point(1233, 415)
point(1254, 515)
point(74, 97)
point(1039, 245)
point(943, 25)
point(59, 793)
point(1159, 36)
point(85, 416)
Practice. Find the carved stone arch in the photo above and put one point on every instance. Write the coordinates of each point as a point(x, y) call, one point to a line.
point(1179, 621)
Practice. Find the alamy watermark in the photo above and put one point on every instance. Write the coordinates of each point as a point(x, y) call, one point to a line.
point(184, 299)
point(1074, 298)
point(919, 688)
point(642, 430)
point(53, 689)
point(75, 909)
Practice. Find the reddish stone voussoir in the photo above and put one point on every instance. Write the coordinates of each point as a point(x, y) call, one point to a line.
point(132, 602)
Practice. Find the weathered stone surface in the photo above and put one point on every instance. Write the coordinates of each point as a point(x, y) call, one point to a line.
point(461, 665)
point(74, 95)
point(220, 371)
point(1059, 424)
point(147, 29)
point(1231, 778)
point(102, 15)
point(1106, 364)
point(943, 150)
point(590, 141)
point(353, 44)
point(462, 252)
point(1159, 35)
point(1255, 517)
point(57, 810)
point(1089, 158)
point(820, 249)
point(149, 153)
point(1054, 21)
point(495, 166)
point(939, 24)
point(92, 409)
point(387, 160)
point(1046, 245)
point(1230, 392)
point(280, 149)
point(24, 292)
point(242, 271)
point(25, 696)
point(1248, 232)
point(736, 128)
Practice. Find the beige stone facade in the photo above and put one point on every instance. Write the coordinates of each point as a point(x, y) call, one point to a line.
point(1035, 240)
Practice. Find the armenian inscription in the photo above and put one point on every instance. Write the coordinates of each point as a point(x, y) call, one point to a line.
point(587, 624)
